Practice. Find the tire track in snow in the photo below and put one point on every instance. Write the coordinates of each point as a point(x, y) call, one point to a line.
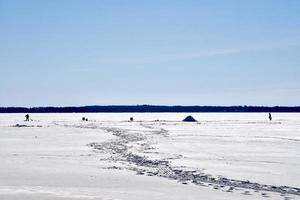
point(121, 150)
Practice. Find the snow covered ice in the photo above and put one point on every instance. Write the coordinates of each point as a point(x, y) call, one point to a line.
point(157, 156)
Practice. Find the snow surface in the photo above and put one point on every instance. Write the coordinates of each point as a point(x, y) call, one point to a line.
point(222, 156)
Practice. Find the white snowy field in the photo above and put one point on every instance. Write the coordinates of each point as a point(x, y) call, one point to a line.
point(222, 156)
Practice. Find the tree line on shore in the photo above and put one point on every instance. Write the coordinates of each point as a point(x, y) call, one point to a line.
point(148, 108)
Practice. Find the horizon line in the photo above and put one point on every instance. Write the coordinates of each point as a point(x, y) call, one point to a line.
point(138, 105)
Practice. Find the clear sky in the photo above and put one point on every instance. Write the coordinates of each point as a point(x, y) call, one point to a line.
point(116, 52)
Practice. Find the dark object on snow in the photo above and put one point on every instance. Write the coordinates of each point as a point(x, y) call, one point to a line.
point(270, 117)
point(83, 119)
point(131, 119)
point(26, 117)
point(86, 119)
point(20, 125)
point(189, 119)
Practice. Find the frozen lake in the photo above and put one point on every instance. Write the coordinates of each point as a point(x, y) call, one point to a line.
point(222, 156)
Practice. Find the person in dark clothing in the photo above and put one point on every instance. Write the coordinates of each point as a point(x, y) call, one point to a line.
point(26, 117)
point(270, 117)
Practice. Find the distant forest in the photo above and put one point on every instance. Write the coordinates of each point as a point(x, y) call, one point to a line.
point(148, 108)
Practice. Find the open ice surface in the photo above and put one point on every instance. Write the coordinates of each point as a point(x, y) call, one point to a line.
point(49, 157)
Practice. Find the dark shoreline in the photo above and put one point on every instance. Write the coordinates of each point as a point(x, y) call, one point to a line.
point(149, 109)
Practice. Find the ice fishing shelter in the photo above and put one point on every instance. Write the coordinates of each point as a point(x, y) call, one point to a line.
point(189, 119)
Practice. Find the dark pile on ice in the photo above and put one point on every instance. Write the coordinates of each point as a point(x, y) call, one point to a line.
point(189, 119)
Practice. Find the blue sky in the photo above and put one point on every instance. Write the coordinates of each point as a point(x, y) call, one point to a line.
point(194, 52)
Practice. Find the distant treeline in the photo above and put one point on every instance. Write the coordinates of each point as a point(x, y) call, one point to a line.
point(148, 108)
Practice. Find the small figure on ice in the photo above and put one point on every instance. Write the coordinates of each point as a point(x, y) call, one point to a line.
point(26, 117)
point(270, 117)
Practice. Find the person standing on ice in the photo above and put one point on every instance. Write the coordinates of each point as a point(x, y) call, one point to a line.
point(270, 117)
point(26, 117)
